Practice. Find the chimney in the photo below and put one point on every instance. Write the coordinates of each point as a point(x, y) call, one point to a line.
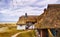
point(25, 15)
point(44, 9)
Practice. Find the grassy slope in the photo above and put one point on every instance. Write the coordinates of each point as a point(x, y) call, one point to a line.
point(11, 30)
point(25, 34)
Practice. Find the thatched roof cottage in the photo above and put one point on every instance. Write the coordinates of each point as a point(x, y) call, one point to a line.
point(26, 22)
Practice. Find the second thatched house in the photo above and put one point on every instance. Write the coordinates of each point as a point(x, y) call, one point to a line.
point(26, 22)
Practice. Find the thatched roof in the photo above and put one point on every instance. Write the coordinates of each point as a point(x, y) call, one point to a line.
point(30, 18)
point(51, 17)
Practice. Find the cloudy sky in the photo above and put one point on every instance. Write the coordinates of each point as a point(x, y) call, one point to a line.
point(11, 10)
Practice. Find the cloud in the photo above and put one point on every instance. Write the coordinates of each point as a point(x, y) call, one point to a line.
point(11, 10)
point(58, 2)
point(4, 4)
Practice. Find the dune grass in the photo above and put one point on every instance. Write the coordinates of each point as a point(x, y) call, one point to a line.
point(28, 34)
point(25, 34)
point(11, 31)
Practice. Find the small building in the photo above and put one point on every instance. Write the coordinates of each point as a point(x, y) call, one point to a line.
point(26, 22)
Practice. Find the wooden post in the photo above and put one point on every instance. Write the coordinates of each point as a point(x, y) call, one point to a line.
point(43, 32)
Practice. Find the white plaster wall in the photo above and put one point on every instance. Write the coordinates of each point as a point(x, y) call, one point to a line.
point(21, 27)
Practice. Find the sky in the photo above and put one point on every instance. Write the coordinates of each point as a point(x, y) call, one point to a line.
point(11, 10)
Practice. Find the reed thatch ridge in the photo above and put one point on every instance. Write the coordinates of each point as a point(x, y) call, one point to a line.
point(51, 17)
